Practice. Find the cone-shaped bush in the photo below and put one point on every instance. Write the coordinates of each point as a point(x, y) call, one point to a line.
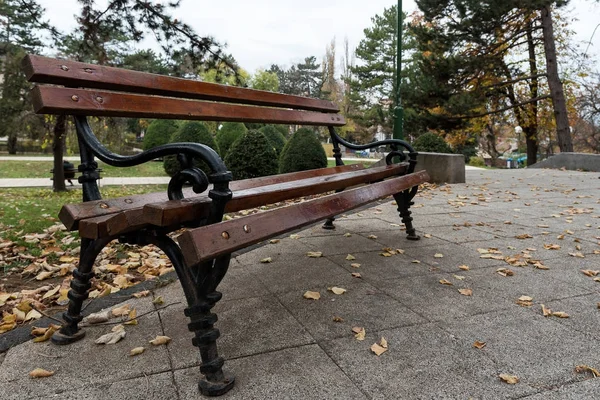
point(159, 132)
point(195, 132)
point(432, 143)
point(228, 134)
point(302, 152)
point(251, 156)
point(275, 137)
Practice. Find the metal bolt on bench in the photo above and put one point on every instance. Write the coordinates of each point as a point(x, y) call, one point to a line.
point(202, 257)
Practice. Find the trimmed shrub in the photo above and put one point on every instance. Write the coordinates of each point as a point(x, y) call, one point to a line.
point(275, 137)
point(252, 156)
point(195, 132)
point(159, 132)
point(228, 134)
point(302, 152)
point(432, 143)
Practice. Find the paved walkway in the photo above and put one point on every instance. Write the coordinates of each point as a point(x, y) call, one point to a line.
point(280, 345)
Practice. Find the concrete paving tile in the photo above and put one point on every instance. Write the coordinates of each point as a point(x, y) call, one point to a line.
point(149, 387)
point(83, 363)
point(583, 313)
point(453, 255)
point(248, 326)
point(461, 234)
point(538, 350)
point(285, 249)
point(340, 244)
point(396, 238)
point(513, 246)
point(422, 362)
point(362, 305)
point(585, 390)
point(360, 225)
point(300, 373)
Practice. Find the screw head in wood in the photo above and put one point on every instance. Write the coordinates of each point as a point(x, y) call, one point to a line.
point(75, 97)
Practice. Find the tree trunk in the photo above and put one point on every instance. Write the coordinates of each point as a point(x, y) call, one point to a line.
point(531, 130)
point(563, 131)
point(58, 144)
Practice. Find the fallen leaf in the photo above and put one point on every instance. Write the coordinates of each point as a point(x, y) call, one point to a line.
point(510, 379)
point(359, 333)
point(466, 292)
point(427, 235)
point(459, 277)
point(266, 260)
point(350, 257)
point(505, 272)
point(479, 345)
point(98, 318)
point(312, 295)
point(524, 236)
point(560, 314)
point(294, 236)
point(44, 275)
point(383, 343)
point(131, 318)
point(590, 272)
point(546, 311)
point(40, 373)
point(274, 241)
point(445, 282)
point(51, 293)
point(48, 332)
point(586, 368)
point(372, 237)
point(121, 311)
point(355, 265)
point(577, 254)
point(338, 319)
point(337, 290)
point(136, 351)
point(464, 267)
point(112, 337)
point(438, 255)
point(315, 254)
point(551, 246)
point(385, 254)
point(356, 275)
point(158, 300)
point(416, 262)
point(525, 301)
point(157, 341)
point(347, 234)
point(33, 315)
point(378, 349)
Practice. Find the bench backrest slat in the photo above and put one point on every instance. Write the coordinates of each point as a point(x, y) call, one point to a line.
point(41, 69)
point(58, 100)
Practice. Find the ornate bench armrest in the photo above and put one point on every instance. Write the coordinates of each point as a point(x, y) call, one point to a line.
point(219, 175)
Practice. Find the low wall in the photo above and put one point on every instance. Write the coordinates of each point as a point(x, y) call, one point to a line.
point(442, 168)
point(571, 161)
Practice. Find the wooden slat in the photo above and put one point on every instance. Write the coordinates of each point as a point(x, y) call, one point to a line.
point(76, 74)
point(71, 214)
point(57, 100)
point(176, 212)
point(210, 241)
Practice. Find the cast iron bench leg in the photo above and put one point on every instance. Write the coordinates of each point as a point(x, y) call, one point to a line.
point(70, 331)
point(404, 201)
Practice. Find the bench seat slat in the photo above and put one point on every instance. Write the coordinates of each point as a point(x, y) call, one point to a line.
point(173, 213)
point(210, 241)
point(99, 103)
point(71, 214)
point(76, 74)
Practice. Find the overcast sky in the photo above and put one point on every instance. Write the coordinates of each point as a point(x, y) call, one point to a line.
point(259, 33)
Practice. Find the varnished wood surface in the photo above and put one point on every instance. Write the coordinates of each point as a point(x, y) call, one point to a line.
point(76, 74)
point(210, 241)
point(100, 103)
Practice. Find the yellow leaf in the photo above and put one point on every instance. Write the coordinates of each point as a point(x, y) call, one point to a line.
point(416, 262)
point(586, 368)
point(347, 234)
point(338, 319)
point(40, 373)
point(350, 257)
point(136, 351)
point(372, 237)
point(438, 255)
point(48, 332)
point(524, 236)
point(577, 254)
point(274, 241)
point(464, 267)
point(51, 293)
point(445, 282)
point(312, 295)
point(157, 341)
point(356, 275)
point(546, 311)
point(383, 343)
point(143, 293)
point(337, 290)
point(479, 345)
point(427, 235)
point(377, 349)
point(131, 318)
point(294, 236)
point(266, 260)
point(466, 292)
point(20, 315)
point(158, 300)
point(510, 379)
point(32, 315)
point(315, 254)
point(560, 314)
point(459, 277)
point(63, 299)
point(122, 282)
point(590, 272)
point(551, 246)
point(525, 301)
point(385, 254)
point(359, 333)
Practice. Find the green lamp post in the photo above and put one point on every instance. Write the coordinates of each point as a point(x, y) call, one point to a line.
point(398, 110)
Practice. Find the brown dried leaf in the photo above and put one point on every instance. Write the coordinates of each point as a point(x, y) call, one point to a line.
point(445, 282)
point(48, 332)
point(315, 254)
point(372, 237)
point(135, 351)
point(360, 333)
point(505, 272)
point(585, 368)
point(525, 301)
point(560, 314)
point(479, 345)
point(274, 241)
point(141, 294)
point(356, 275)
point(98, 318)
point(40, 373)
point(112, 337)
point(466, 292)
point(121, 311)
point(524, 236)
point(377, 349)
point(590, 272)
point(338, 319)
point(551, 246)
point(157, 341)
point(312, 295)
point(464, 267)
point(546, 311)
point(355, 265)
point(510, 379)
point(337, 290)
point(383, 343)
point(577, 254)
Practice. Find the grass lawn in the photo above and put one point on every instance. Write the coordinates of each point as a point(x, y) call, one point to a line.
point(41, 169)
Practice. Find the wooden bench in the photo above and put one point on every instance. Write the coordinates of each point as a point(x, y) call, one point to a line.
point(202, 256)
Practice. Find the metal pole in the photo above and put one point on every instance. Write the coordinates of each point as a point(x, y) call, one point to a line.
point(398, 110)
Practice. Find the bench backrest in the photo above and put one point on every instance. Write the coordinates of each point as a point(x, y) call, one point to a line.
point(94, 90)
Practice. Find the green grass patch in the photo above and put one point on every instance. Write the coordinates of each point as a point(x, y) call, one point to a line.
point(41, 169)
